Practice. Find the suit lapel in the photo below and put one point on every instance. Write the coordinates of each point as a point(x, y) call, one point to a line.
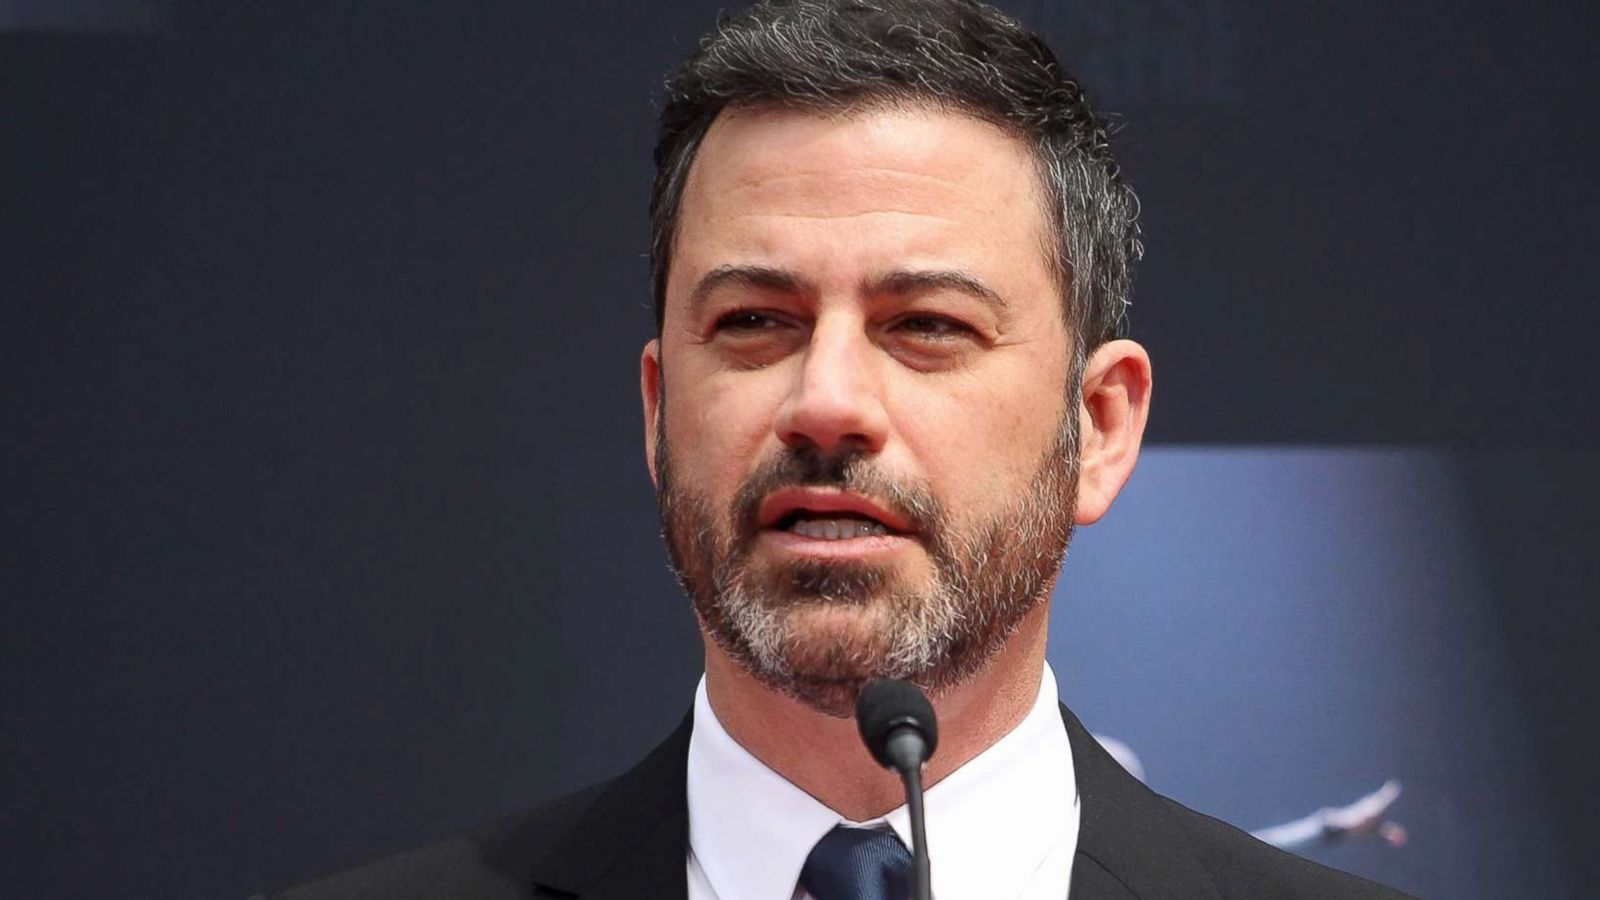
point(634, 839)
point(1130, 845)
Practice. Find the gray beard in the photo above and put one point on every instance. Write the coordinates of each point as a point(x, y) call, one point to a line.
point(985, 580)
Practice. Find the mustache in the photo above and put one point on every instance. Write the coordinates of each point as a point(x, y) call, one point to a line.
point(848, 469)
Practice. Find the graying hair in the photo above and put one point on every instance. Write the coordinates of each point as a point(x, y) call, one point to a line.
point(841, 55)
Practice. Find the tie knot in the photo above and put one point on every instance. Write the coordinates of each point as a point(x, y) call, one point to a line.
point(858, 864)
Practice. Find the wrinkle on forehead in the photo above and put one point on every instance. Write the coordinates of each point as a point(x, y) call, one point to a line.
point(798, 164)
point(860, 214)
point(843, 195)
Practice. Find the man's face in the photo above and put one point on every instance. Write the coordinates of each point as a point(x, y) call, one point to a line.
point(862, 434)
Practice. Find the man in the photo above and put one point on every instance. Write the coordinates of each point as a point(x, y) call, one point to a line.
point(892, 256)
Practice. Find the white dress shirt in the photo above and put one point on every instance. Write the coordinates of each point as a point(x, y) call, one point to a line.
point(1002, 827)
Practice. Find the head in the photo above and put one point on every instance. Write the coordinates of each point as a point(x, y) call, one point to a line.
point(892, 257)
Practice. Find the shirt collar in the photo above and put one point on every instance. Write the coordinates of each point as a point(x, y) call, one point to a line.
point(991, 823)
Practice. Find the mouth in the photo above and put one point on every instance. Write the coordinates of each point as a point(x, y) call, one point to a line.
point(831, 527)
point(823, 515)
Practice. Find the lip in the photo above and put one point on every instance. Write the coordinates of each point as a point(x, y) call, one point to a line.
point(781, 503)
point(856, 548)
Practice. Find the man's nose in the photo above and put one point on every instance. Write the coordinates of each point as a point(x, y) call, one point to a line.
point(837, 395)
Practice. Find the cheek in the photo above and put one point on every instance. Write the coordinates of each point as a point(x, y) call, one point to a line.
point(979, 441)
point(718, 429)
point(966, 454)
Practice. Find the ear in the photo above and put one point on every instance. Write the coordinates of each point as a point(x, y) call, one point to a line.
point(650, 393)
point(1111, 420)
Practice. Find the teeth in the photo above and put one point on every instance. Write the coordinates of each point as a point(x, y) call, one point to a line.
point(837, 529)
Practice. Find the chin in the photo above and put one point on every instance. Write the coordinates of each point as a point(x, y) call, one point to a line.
point(818, 633)
point(829, 652)
point(831, 698)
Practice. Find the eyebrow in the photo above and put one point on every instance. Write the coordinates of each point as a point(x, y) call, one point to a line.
point(920, 281)
point(763, 277)
point(899, 283)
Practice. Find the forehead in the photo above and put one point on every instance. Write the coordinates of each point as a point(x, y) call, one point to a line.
point(874, 187)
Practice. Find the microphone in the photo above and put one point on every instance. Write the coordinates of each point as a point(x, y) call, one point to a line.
point(898, 726)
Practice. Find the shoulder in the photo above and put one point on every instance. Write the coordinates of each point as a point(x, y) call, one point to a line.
point(1244, 866)
point(1135, 843)
point(550, 850)
point(490, 862)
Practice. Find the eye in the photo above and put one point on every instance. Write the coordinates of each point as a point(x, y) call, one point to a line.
point(747, 321)
point(935, 327)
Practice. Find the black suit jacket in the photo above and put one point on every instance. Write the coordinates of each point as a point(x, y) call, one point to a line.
point(629, 838)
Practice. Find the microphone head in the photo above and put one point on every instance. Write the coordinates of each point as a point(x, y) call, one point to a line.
point(886, 705)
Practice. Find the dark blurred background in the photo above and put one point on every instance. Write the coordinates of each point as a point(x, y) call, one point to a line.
point(326, 525)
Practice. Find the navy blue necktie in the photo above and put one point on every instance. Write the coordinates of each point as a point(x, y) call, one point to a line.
point(858, 864)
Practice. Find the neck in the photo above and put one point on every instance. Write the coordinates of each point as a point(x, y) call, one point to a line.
point(824, 756)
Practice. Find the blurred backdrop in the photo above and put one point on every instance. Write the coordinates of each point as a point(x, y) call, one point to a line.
point(326, 525)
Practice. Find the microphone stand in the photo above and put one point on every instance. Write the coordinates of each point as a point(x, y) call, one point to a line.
point(898, 725)
point(922, 872)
